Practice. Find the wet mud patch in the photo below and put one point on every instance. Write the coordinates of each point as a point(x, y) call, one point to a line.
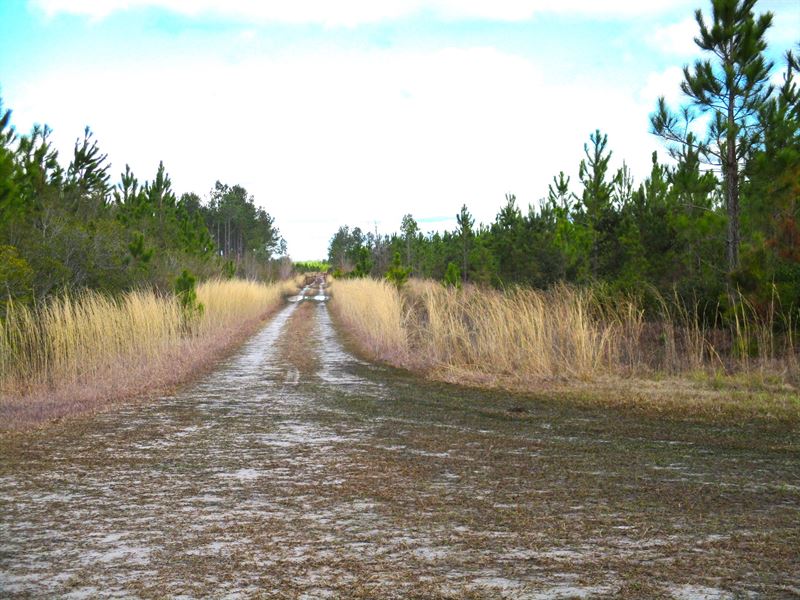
point(351, 480)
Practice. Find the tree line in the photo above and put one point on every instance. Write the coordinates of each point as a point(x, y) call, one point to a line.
point(717, 222)
point(67, 228)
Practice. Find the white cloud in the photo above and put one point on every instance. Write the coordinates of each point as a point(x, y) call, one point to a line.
point(324, 139)
point(335, 137)
point(666, 83)
point(358, 12)
point(677, 39)
point(785, 30)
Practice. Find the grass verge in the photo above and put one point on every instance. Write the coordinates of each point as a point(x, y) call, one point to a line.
point(570, 343)
point(77, 355)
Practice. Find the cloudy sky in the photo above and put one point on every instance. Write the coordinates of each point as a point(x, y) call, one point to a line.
point(354, 111)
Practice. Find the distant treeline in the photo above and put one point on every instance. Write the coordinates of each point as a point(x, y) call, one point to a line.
point(717, 223)
point(68, 228)
point(311, 266)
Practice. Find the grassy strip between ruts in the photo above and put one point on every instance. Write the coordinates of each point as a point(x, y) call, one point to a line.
point(563, 345)
point(79, 355)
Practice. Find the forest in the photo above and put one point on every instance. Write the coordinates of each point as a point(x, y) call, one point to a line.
point(113, 291)
point(67, 228)
point(714, 222)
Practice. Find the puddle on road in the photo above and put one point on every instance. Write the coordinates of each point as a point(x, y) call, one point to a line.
point(314, 292)
point(281, 476)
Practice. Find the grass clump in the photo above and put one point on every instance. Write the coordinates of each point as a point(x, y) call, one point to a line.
point(374, 312)
point(80, 352)
point(569, 339)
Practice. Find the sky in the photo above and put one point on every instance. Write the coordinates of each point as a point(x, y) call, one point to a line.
point(355, 111)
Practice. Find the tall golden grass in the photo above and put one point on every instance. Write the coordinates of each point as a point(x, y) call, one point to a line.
point(373, 311)
point(227, 303)
point(78, 352)
point(561, 333)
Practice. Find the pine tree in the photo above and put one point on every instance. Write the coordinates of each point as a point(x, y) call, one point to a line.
point(465, 222)
point(508, 242)
point(452, 276)
point(595, 203)
point(771, 215)
point(410, 230)
point(397, 273)
point(731, 87)
point(9, 197)
point(87, 184)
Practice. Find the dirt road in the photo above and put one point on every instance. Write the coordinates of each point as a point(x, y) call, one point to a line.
point(297, 470)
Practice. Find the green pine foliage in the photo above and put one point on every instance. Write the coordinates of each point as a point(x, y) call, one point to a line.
point(397, 273)
point(731, 87)
point(16, 276)
point(452, 276)
point(67, 227)
point(718, 224)
point(186, 292)
point(311, 266)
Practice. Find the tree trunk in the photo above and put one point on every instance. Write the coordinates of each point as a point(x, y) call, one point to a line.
point(733, 216)
point(732, 190)
point(464, 272)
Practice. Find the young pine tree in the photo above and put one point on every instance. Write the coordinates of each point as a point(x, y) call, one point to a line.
point(731, 86)
point(465, 222)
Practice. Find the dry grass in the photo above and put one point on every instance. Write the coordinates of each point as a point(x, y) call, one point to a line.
point(374, 311)
point(383, 486)
point(228, 303)
point(77, 353)
point(570, 340)
point(521, 331)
